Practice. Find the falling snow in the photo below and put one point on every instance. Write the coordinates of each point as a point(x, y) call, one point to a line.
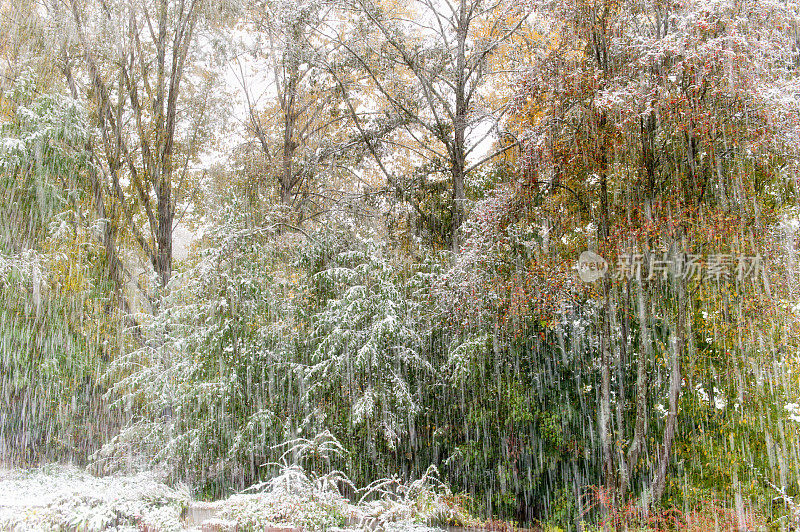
point(411, 266)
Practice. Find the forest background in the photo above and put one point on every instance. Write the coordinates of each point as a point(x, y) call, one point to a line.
point(231, 225)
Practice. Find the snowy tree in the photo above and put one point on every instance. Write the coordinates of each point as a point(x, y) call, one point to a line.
point(367, 351)
point(301, 136)
point(57, 326)
point(147, 74)
point(430, 70)
point(647, 128)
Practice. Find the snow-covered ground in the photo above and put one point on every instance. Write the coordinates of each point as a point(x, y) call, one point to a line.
point(64, 497)
point(58, 497)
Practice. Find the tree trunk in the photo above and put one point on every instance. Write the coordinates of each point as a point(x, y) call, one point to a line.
point(458, 148)
point(637, 443)
point(640, 425)
point(675, 385)
point(605, 338)
point(605, 394)
point(164, 232)
point(288, 100)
